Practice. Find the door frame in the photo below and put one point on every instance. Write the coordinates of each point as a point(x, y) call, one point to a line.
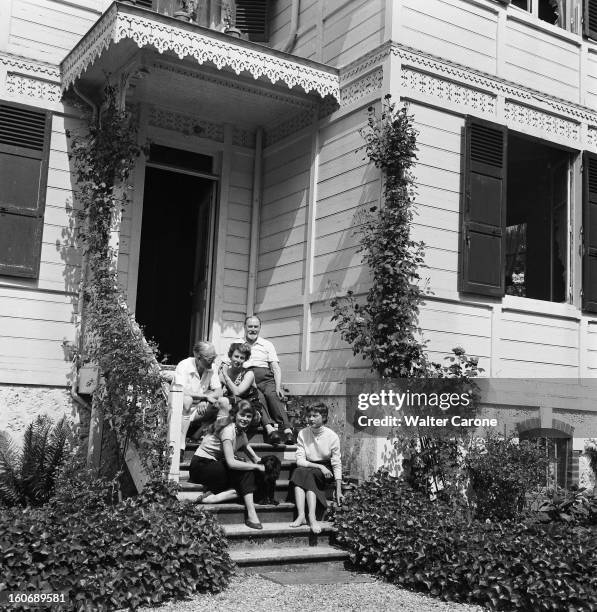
point(137, 220)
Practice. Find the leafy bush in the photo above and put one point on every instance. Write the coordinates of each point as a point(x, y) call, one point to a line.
point(130, 392)
point(385, 329)
point(570, 507)
point(501, 473)
point(138, 552)
point(28, 476)
point(398, 533)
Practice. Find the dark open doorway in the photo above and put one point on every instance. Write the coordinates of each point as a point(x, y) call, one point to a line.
point(175, 260)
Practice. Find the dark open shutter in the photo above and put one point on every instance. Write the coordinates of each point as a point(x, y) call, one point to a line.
point(251, 19)
point(590, 19)
point(484, 208)
point(24, 147)
point(589, 263)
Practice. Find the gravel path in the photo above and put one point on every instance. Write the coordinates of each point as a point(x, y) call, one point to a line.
point(252, 593)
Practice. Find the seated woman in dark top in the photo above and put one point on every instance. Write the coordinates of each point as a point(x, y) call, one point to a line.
point(239, 383)
point(215, 465)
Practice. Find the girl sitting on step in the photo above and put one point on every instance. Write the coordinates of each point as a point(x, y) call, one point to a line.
point(318, 461)
point(216, 466)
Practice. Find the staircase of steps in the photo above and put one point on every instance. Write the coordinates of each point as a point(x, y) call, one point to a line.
point(277, 544)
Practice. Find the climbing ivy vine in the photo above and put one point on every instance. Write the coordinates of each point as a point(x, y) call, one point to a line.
point(130, 390)
point(385, 328)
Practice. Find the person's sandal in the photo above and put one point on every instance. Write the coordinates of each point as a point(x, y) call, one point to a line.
point(253, 525)
point(201, 496)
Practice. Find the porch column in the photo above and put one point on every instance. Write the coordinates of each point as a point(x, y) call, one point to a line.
point(255, 218)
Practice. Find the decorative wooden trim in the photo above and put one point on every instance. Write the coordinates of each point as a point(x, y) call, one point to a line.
point(123, 22)
point(449, 91)
point(441, 68)
point(22, 65)
point(360, 88)
point(31, 87)
point(541, 120)
point(185, 124)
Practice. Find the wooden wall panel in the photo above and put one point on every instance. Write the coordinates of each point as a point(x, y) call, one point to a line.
point(351, 28)
point(283, 224)
point(238, 232)
point(591, 81)
point(543, 62)
point(47, 30)
point(462, 32)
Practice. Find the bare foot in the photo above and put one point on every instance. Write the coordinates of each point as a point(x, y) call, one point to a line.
point(300, 520)
point(315, 527)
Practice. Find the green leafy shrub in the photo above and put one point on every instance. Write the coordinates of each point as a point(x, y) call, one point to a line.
point(570, 507)
point(385, 329)
point(397, 532)
point(142, 551)
point(28, 475)
point(501, 473)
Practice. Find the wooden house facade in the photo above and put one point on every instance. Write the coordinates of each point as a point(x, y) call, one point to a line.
point(249, 196)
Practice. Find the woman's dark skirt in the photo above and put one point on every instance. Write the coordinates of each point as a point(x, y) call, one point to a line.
point(216, 476)
point(311, 479)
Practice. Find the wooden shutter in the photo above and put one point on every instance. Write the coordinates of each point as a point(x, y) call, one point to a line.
point(251, 19)
point(484, 209)
point(589, 263)
point(590, 19)
point(24, 146)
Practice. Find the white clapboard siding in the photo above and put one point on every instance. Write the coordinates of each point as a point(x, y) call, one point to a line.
point(541, 61)
point(47, 30)
point(463, 319)
point(350, 29)
point(592, 348)
point(462, 32)
point(284, 328)
point(280, 257)
point(307, 44)
point(279, 22)
point(283, 224)
point(235, 261)
point(591, 80)
point(281, 292)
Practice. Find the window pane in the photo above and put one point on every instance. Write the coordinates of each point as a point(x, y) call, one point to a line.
point(536, 220)
point(523, 4)
point(19, 181)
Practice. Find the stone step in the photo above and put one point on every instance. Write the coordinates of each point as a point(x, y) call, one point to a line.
point(287, 453)
point(287, 464)
point(276, 534)
point(265, 556)
point(228, 514)
point(189, 491)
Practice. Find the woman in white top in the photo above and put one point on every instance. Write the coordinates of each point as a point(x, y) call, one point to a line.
point(215, 465)
point(318, 461)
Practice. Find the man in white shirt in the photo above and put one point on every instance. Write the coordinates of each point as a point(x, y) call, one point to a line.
point(265, 365)
point(202, 390)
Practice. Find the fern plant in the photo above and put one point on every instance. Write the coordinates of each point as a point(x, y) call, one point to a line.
point(28, 475)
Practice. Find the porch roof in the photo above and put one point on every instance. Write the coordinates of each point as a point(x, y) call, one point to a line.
point(124, 29)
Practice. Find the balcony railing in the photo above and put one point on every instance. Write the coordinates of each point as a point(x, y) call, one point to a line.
point(246, 19)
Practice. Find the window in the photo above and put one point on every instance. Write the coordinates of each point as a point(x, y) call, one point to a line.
point(557, 449)
point(516, 215)
point(564, 14)
point(251, 19)
point(24, 150)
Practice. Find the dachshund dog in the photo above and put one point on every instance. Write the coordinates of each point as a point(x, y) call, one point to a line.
point(267, 482)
